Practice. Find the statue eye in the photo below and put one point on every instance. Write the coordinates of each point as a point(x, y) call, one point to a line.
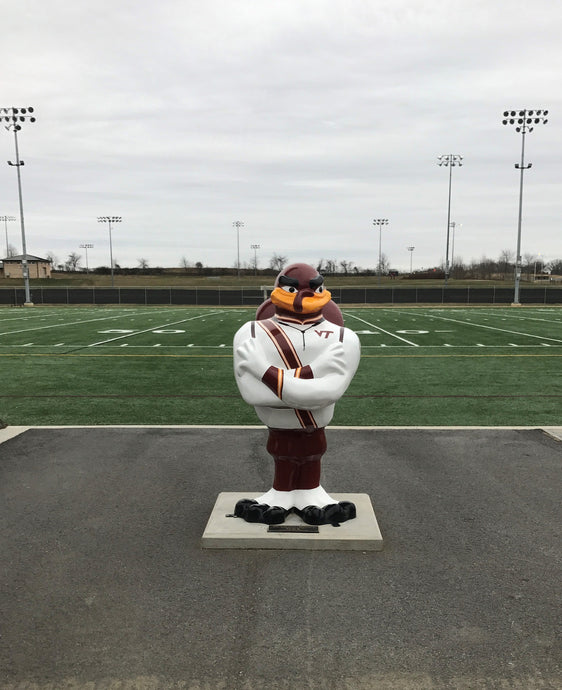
point(289, 288)
point(319, 289)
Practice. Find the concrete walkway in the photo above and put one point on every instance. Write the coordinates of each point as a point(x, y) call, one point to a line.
point(104, 585)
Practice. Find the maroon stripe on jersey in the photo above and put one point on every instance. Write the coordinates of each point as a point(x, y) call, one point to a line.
point(270, 379)
point(273, 379)
point(253, 329)
point(282, 343)
point(306, 372)
point(292, 361)
point(342, 329)
point(306, 419)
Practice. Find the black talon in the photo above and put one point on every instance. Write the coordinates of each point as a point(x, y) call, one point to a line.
point(332, 514)
point(250, 510)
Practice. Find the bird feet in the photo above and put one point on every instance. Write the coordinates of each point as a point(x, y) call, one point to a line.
point(332, 513)
point(250, 510)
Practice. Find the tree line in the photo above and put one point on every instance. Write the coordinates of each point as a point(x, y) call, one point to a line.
point(483, 269)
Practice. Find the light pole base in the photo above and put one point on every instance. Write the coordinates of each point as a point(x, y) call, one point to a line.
point(516, 304)
point(28, 304)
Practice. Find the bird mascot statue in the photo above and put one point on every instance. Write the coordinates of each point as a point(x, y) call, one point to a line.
point(293, 363)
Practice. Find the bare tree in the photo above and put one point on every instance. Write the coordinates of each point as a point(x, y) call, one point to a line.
point(346, 266)
point(185, 264)
point(555, 267)
point(12, 251)
point(143, 264)
point(485, 268)
point(73, 261)
point(458, 270)
point(52, 259)
point(278, 262)
point(383, 265)
point(506, 261)
point(528, 264)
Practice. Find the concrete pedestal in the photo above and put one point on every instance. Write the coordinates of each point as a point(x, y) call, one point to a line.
point(224, 532)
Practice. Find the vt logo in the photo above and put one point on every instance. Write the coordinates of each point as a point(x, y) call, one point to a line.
point(323, 333)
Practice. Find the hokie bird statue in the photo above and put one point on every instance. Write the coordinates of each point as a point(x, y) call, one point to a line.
point(293, 363)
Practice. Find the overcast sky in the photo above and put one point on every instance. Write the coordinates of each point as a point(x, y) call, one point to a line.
point(305, 119)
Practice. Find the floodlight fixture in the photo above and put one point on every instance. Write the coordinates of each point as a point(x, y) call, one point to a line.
point(87, 246)
point(5, 220)
point(109, 220)
point(523, 121)
point(238, 224)
point(380, 222)
point(13, 117)
point(449, 160)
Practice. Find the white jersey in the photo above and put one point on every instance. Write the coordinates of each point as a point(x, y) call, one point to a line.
point(294, 373)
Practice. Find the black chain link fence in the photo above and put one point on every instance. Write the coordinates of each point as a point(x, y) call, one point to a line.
point(218, 297)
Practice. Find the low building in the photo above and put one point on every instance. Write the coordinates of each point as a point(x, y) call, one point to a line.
point(38, 267)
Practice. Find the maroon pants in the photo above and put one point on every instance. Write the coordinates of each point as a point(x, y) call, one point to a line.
point(297, 454)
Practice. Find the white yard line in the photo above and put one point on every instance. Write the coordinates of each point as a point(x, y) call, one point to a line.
point(152, 328)
point(491, 328)
point(76, 323)
point(381, 329)
point(508, 315)
point(48, 314)
point(79, 346)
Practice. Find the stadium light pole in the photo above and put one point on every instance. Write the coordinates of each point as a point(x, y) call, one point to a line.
point(523, 121)
point(86, 246)
point(255, 247)
point(380, 222)
point(454, 226)
point(109, 220)
point(238, 224)
point(411, 250)
point(15, 116)
point(5, 220)
point(449, 160)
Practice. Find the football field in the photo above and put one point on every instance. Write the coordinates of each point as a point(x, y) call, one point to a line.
point(448, 366)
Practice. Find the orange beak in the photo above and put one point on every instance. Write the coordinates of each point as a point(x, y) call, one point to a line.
point(304, 301)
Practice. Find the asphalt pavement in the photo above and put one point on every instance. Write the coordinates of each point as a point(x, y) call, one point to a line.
point(104, 584)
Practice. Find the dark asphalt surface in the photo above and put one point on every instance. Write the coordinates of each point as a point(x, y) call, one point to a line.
point(104, 585)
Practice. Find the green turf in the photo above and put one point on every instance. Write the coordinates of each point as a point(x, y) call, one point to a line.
point(419, 366)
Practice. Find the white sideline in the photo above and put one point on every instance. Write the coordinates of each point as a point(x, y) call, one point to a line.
point(12, 431)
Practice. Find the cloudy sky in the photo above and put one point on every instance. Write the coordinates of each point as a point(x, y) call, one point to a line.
point(305, 119)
